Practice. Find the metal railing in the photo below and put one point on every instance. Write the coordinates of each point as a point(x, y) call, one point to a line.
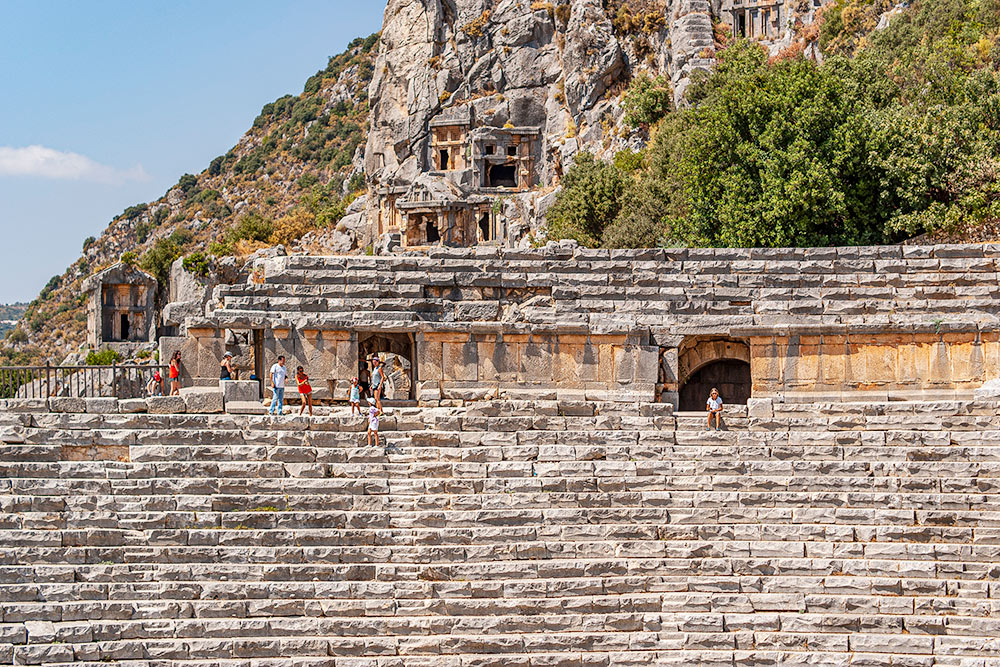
point(116, 381)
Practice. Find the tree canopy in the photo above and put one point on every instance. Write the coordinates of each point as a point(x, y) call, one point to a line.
point(894, 134)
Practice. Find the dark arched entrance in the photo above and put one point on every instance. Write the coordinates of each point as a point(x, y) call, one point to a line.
point(396, 352)
point(730, 376)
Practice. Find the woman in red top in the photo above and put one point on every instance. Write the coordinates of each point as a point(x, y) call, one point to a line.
point(175, 374)
point(305, 390)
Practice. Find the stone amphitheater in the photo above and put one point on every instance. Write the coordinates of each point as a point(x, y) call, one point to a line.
point(543, 498)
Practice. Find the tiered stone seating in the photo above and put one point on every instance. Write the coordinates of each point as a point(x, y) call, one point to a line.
point(875, 286)
point(504, 533)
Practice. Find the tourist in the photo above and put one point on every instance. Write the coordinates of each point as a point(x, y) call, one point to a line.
point(377, 384)
point(373, 413)
point(175, 374)
point(714, 406)
point(305, 390)
point(277, 374)
point(355, 397)
point(155, 385)
point(226, 367)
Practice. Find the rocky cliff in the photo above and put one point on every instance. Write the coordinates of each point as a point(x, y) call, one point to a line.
point(562, 67)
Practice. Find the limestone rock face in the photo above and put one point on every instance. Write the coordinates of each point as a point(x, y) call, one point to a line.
point(560, 67)
point(508, 62)
point(512, 64)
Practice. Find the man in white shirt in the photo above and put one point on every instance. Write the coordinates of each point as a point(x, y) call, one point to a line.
point(278, 374)
point(714, 406)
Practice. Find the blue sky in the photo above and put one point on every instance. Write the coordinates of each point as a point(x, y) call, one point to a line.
point(105, 104)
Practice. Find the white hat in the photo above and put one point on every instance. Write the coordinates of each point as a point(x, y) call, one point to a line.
point(371, 401)
point(228, 354)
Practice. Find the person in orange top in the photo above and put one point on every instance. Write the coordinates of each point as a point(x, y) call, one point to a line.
point(175, 374)
point(305, 390)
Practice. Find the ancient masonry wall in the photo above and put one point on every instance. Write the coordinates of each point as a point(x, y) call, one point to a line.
point(564, 322)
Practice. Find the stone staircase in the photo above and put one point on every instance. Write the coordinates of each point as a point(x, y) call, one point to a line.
point(504, 533)
point(921, 288)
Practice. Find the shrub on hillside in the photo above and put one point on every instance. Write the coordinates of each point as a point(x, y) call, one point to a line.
point(104, 357)
point(133, 212)
point(165, 251)
point(198, 263)
point(647, 100)
point(293, 226)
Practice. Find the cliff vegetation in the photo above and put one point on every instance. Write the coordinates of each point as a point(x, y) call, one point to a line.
point(895, 134)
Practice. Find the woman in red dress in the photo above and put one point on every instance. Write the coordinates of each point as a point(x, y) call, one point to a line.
point(305, 390)
point(175, 374)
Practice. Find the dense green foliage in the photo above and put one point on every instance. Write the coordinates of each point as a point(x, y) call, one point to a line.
point(896, 136)
point(104, 357)
point(165, 251)
point(198, 263)
point(591, 195)
point(647, 100)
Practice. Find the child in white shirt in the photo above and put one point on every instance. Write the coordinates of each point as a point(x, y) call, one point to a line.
point(373, 414)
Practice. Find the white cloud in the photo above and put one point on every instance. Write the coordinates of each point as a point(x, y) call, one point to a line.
point(62, 165)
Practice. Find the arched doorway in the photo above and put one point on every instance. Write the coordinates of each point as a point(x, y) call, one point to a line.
point(730, 376)
point(396, 352)
point(704, 362)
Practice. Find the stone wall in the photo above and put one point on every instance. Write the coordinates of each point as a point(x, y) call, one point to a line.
point(908, 321)
point(893, 366)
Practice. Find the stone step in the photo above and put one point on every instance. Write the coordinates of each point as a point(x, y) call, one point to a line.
point(656, 638)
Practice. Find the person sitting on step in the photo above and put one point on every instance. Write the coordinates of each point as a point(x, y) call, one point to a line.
point(155, 385)
point(714, 406)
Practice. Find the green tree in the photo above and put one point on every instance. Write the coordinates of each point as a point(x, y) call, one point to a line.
point(647, 100)
point(165, 251)
point(589, 201)
point(773, 155)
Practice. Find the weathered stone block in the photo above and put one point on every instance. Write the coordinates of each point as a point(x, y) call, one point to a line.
point(203, 401)
point(67, 404)
point(102, 406)
point(24, 405)
point(245, 408)
point(240, 390)
point(429, 390)
point(165, 405)
point(482, 311)
point(760, 408)
point(132, 405)
point(460, 361)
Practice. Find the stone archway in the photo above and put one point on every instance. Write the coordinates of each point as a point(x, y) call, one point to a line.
point(704, 362)
point(396, 352)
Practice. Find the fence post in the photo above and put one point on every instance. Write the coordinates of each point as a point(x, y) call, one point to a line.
point(114, 378)
point(48, 385)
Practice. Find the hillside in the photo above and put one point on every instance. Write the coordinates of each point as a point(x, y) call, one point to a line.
point(295, 169)
point(9, 314)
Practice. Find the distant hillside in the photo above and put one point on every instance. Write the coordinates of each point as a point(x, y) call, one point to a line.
point(295, 170)
point(10, 313)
